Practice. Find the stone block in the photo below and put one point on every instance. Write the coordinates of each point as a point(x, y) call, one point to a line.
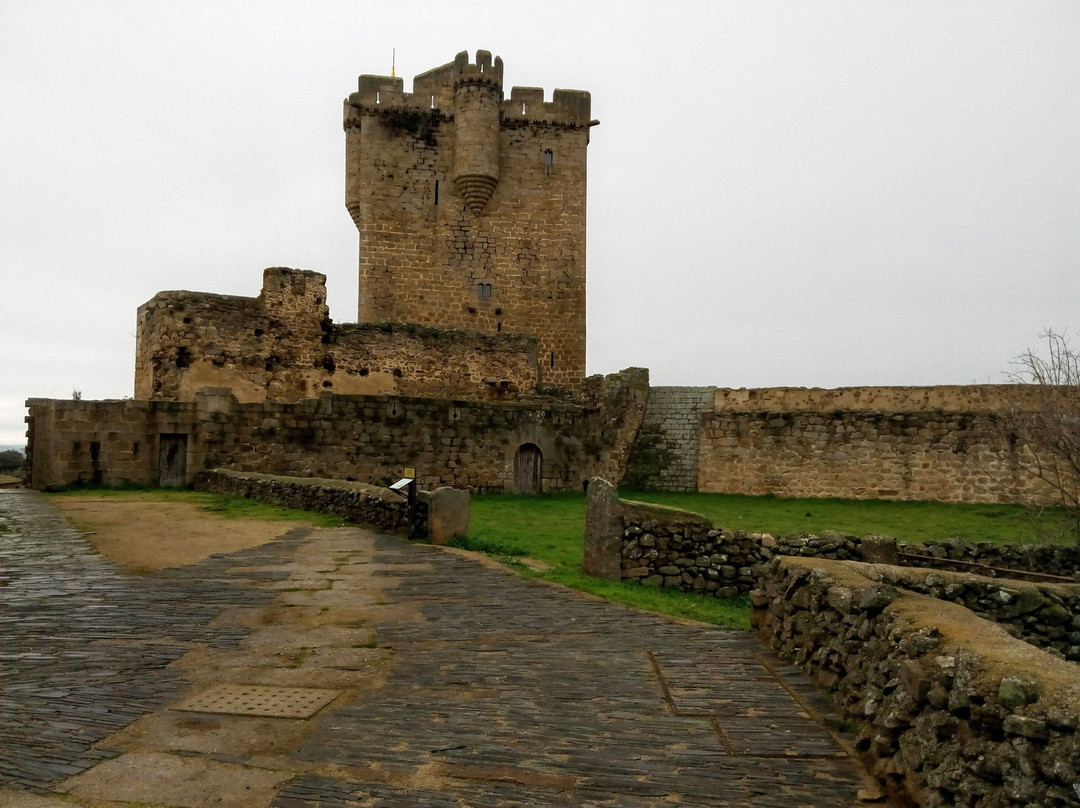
point(448, 515)
point(603, 531)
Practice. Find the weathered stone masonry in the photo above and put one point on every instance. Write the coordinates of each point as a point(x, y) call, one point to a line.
point(283, 346)
point(473, 445)
point(665, 455)
point(928, 443)
point(471, 206)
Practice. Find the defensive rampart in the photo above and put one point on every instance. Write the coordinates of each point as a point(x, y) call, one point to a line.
point(904, 443)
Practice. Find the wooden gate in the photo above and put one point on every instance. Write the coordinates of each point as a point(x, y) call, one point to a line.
point(527, 467)
point(172, 460)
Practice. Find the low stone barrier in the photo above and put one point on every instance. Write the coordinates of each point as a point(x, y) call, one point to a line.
point(1062, 560)
point(1043, 614)
point(662, 546)
point(953, 710)
point(446, 510)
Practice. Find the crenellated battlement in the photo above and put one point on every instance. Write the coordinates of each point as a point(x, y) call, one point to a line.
point(434, 90)
point(484, 71)
point(571, 107)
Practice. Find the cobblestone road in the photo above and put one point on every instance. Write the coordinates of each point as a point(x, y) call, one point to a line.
point(496, 691)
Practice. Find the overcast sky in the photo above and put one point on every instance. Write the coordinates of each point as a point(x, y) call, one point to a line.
point(780, 193)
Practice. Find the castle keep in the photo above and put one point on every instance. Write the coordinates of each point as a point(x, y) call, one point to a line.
point(471, 206)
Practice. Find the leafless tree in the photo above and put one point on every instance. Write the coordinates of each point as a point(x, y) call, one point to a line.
point(1043, 432)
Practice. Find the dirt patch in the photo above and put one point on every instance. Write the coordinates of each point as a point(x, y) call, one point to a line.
point(144, 532)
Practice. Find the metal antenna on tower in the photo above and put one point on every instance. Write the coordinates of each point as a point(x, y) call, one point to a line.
point(393, 62)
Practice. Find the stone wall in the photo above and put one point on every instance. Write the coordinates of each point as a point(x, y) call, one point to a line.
point(471, 207)
point(1042, 614)
point(665, 454)
point(682, 550)
point(946, 398)
point(470, 445)
point(283, 346)
point(949, 457)
point(661, 546)
point(365, 504)
point(953, 711)
point(106, 442)
point(914, 443)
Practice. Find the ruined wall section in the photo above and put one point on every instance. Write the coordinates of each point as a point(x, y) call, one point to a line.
point(105, 442)
point(282, 346)
point(471, 207)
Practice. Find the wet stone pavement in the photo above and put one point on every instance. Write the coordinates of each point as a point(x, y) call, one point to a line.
point(495, 690)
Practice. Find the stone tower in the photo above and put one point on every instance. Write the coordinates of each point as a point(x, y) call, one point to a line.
point(471, 206)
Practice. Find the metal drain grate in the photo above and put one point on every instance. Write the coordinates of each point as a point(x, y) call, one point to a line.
point(270, 702)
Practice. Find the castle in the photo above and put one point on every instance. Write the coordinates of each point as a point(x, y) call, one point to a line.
point(467, 361)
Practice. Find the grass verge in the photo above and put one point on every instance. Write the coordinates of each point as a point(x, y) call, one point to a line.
point(550, 529)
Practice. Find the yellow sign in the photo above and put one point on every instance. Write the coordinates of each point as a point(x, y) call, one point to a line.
point(410, 473)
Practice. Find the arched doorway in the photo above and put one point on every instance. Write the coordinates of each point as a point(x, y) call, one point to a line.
point(527, 466)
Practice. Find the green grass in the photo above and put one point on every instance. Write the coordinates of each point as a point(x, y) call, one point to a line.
point(223, 505)
point(906, 521)
point(550, 529)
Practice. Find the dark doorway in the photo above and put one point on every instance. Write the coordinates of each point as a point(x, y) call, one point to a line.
point(172, 461)
point(527, 465)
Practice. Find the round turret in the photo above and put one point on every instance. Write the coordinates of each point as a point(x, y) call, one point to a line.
point(477, 99)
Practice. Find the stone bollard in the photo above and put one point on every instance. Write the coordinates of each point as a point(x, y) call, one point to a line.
point(448, 514)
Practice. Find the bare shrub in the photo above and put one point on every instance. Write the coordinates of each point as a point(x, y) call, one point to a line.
point(1042, 435)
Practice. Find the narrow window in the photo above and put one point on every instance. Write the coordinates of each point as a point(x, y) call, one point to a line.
point(553, 359)
point(433, 102)
point(377, 94)
point(522, 107)
point(95, 451)
point(436, 192)
point(549, 160)
point(498, 327)
point(135, 448)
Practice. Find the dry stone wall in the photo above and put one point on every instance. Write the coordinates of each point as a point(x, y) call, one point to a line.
point(953, 711)
point(661, 546)
point(682, 550)
point(357, 502)
point(1042, 614)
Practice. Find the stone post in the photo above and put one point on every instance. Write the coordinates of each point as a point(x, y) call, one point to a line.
point(448, 514)
point(603, 531)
